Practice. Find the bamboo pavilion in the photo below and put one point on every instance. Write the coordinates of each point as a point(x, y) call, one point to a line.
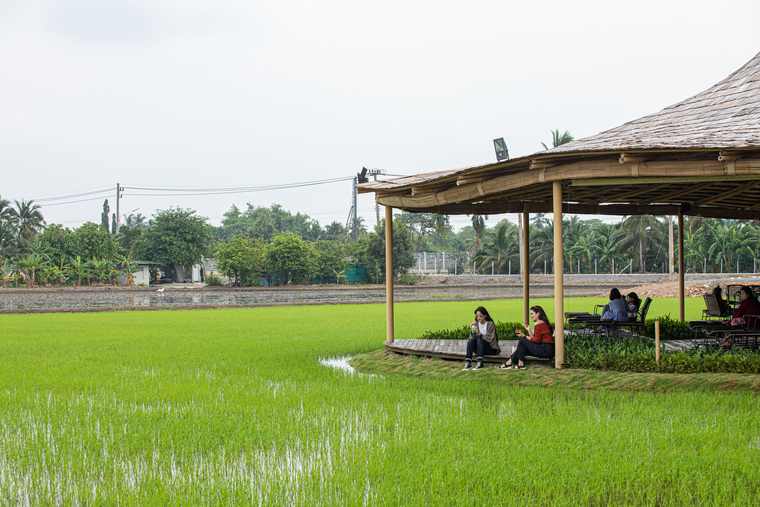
point(699, 157)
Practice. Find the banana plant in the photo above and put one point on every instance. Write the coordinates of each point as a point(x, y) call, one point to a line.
point(128, 266)
point(80, 269)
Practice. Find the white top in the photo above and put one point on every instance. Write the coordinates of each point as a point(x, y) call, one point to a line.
point(483, 327)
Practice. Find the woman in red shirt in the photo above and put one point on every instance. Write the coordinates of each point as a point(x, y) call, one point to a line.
point(540, 344)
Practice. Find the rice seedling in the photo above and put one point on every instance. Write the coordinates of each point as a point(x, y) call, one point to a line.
point(236, 407)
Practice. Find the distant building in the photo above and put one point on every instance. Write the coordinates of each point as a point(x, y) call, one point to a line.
point(141, 274)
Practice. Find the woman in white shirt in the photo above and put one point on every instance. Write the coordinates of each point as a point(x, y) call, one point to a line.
point(483, 339)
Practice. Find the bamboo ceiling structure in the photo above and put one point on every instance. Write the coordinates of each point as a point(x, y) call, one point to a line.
point(699, 157)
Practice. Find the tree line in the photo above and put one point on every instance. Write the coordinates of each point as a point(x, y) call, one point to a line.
point(260, 245)
point(639, 243)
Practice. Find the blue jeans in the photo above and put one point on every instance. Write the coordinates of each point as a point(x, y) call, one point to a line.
point(481, 346)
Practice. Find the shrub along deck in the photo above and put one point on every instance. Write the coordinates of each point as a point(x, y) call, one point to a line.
point(455, 349)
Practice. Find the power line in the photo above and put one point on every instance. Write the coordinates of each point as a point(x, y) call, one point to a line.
point(71, 196)
point(230, 190)
point(72, 202)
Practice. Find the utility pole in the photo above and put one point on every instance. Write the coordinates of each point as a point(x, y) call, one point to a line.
point(119, 190)
point(357, 179)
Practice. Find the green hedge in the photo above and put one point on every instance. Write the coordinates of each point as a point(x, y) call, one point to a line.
point(505, 331)
point(595, 352)
point(638, 355)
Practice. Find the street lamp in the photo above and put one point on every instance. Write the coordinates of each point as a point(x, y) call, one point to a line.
point(502, 153)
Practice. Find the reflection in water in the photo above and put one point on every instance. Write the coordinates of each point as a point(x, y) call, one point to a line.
point(339, 363)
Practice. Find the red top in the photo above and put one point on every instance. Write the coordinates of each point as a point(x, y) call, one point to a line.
point(542, 334)
point(748, 307)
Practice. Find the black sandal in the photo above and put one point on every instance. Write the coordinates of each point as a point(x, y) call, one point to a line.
point(505, 366)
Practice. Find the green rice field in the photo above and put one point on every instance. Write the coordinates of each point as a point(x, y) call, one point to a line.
point(235, 407)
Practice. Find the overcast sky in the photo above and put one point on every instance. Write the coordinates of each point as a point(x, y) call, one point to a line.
point(170, 94)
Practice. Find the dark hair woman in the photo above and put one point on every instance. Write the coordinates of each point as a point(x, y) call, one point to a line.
point(538, 343)
point(742, 316)
point(616, 309)
point(483, 339)
point(748, 306)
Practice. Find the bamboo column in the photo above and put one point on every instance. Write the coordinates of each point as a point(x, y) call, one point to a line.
point(681, 274)
point(559, 310)
point(525, 265)
point(389, 274)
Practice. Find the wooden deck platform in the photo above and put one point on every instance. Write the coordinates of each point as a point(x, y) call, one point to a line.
point(455, 349)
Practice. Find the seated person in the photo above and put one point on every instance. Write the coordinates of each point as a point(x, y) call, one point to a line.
point(483, 339)
point(634, 303)
point(722, 303)
point(540, 344)
point(742, 316)
point(616, 310)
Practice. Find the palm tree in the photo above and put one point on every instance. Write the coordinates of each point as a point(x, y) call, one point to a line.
point(540, 220)
point(334, 232)
point(501, 246)
point(558, 140)
point(7, 247)
point(609, 237)
point(479, 226)
point(137, 221)
point(542, 241)
point(5, 210)
point(441, 226)
point(638, 228)
point(728, 236)
point(27, 219)
point(586, 248)
point(751, 241)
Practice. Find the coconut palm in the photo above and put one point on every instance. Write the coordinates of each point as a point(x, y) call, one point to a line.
point(609, 236)
point(639, 228)
point(5, 210)
point(500, 247)
point(542, 241)
point(137, 221)
point(559, 139)
point(441, 227)
point(751, 242)
point(334, 232)
point(27, 219)
point(7, 247)
point(586, 248)
point(479, 227)
point(727, 236)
